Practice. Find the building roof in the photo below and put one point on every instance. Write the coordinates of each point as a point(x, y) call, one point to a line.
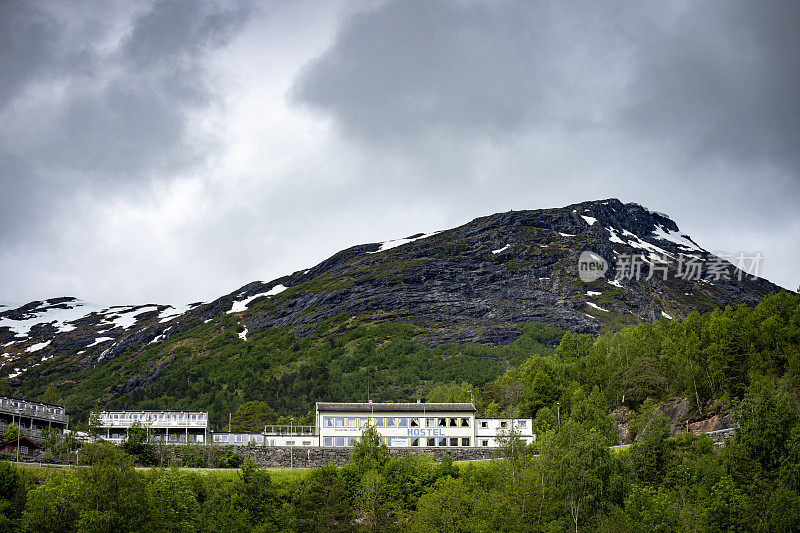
point(389, 407)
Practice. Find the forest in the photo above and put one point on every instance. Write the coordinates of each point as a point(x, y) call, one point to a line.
point(573, 478)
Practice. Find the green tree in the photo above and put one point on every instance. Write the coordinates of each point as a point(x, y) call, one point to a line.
point(137, 444)
point(447, 507)
point(252, 416)
point(12, 432)
point(369, 453)
point(322, 502)
point(51, 396)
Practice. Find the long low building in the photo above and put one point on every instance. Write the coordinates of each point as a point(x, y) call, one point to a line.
point(173, 427)
point(32, 417)
point(400, 425)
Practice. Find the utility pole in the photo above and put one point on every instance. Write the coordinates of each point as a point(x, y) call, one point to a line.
point(291, 448)
point(558, 410)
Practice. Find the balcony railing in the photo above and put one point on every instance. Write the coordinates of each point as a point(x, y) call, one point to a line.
point(152, 423)
point(289, 430)
point(39, 414)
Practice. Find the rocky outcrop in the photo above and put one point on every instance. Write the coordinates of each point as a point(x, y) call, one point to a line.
point(714, 422)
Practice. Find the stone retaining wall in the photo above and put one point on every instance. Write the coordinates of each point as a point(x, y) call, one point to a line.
point(309, 457)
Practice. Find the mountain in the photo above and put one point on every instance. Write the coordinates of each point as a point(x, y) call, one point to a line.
point(429, 300)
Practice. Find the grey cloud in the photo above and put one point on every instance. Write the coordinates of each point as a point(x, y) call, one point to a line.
point(105, 118)
point(721, 80)
point(466, 68)
point(713, 77)
point(27, 50)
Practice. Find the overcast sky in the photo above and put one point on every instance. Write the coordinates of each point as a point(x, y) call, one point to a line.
point(173, 151)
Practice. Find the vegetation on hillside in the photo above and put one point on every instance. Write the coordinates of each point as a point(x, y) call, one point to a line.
point(712, 359)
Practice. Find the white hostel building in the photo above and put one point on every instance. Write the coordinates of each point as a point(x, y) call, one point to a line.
point(413, 425)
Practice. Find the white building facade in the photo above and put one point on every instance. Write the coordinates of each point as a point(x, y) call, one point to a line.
point(487, 430)
point(172, 427)
point(401, 425)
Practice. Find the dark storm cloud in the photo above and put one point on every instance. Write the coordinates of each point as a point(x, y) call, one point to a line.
point(716, 78)
point(92, 107)
point(721, 80)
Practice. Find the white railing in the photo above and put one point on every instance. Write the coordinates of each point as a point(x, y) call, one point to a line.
point(289, 430)
point(31, 412)
point(152, 423)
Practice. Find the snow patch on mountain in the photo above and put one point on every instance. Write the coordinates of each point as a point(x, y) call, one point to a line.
point(501, 250)
point(38, 346)
point(388, 245)
point(58, 314)
point(241, 305)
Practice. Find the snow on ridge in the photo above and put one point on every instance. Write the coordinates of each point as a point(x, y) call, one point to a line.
point(615, 282)
point(596, 306)
point(682, 240)
point(593, 293)
point(388, 245)
point(17, 372)
point(566, 234)
point(614, 237)
point(501, 250)
point(99, 340)
point(171, 312)
point(241, 305)
point(38, 346)
point(124, 316)
point(665, 315)
point(589, 220)
point(243, 334)
point(47, 313)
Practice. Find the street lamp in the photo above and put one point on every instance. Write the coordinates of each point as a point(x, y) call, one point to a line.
point(558, 410)
point(291, 448)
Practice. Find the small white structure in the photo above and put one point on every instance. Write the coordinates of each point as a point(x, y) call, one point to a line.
point(488, 429)
point(172, 427)
point(271, 436)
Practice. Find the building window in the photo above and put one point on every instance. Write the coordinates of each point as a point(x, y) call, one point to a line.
point(484, 443)
point(327, 421)
point(398, 442)
point(402, 422)
point(327, 441)
point(521, 423)
point(379, 422)
point(431, 442)
point(391, 422)
point(23, 449)
point(306, 443)
point(339, 441)
point(453, 441)
point(430, 423)
point(290, 443)
point(484, 424)
point(442, 422)
point(503, 424)
point(362, 422)
point(465, 441)
point(415, 422)
point(339, 422)
point(352, 422)
point(443, 441)
point(237, 438)
point(351, 441)
point(454, 422)
point(465, 422)
point(415, 441)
